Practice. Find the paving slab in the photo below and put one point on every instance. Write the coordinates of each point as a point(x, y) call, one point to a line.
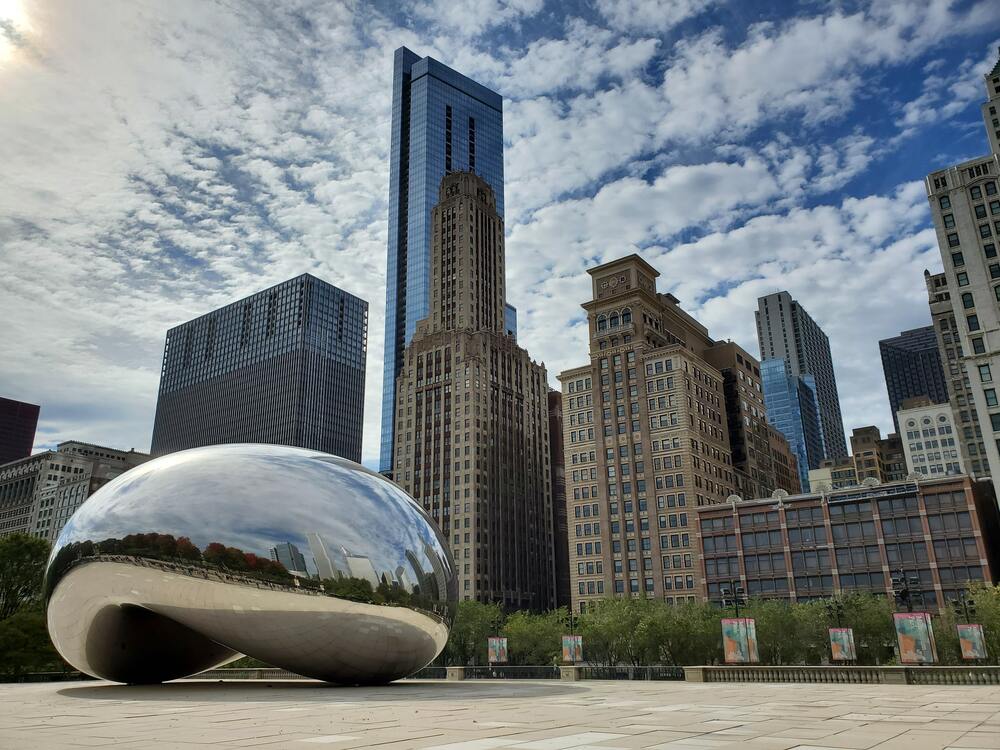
point(496, 715)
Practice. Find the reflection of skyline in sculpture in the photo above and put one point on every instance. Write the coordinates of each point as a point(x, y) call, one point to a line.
point(288, 555)
point(149, 563)
point(325, 566)
point(359, 566)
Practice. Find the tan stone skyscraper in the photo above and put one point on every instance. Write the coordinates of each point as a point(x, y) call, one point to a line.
point(648, 439)
point(472, 434)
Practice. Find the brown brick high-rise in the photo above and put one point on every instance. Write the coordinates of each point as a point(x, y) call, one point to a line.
point(472, 418)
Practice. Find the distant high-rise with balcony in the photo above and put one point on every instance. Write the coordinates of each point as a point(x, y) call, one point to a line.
point(786, 331)
point(965, 206)
point(442, 122)
point(912, 366)
point(283, 366)
point(18, 421)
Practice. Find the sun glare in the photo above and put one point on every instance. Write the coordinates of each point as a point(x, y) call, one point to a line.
point(13, 24)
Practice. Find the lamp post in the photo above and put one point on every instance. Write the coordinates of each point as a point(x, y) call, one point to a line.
point(964, 606)
point(902, 591)
point(835, 609)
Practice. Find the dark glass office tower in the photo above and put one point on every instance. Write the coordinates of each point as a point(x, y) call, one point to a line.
point(283, 366)
point(441, 122)
point(793, 409)
point(912, 366)
point(18, 421)
point(786, 331)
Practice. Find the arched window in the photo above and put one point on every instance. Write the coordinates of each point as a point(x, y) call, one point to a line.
point(626, 316)
point(613, 320)
point(602, 323)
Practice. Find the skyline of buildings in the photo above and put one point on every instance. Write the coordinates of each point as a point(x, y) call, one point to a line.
point(664, 424)
point(285, 365)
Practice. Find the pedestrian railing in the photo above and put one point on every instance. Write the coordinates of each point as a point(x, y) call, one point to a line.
point(877, 675)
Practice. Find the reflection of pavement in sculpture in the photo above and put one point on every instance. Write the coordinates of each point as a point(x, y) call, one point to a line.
point(168, 570)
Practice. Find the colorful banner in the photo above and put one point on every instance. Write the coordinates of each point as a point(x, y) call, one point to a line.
point(915, 637)
point(572, 647)
point(739, 640)
point(842, 644)
point(972, 641)
point(497, 650)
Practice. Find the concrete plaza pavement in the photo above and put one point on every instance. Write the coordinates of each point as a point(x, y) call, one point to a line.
point(492, 715)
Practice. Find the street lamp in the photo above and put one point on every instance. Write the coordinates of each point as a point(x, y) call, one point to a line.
point(903, 589)
point(835, 609)
point(733, 593)
point(964, 606)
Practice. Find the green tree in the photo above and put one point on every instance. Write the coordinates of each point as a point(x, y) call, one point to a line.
point(682, 634)
point(987, 602)
point(611, 632)
point(946, 637)
point(474, 623)
point(25, 644)
point(535, 638)
point(870, 617)
point(22, 566)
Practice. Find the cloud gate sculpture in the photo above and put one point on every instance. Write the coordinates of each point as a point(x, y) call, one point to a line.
point(304, 560)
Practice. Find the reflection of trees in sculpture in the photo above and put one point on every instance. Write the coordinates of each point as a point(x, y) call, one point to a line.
point(183, 555)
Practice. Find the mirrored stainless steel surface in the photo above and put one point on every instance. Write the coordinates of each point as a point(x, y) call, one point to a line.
point(301, 559)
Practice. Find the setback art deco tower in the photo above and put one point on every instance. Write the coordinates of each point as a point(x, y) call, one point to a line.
point(472, 418)
point(442, 122)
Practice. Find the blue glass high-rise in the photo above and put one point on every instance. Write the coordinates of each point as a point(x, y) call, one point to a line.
point(442, 122)
point(793, 409)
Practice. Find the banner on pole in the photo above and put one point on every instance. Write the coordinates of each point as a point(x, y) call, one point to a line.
point(497, 650)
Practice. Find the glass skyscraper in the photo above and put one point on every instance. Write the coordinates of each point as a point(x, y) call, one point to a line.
point(442, 122)
point(283, 366)
point(793, 409)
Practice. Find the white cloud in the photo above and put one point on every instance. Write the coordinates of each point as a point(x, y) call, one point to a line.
point(472, 17)
point(641, 15)
point(160, 161)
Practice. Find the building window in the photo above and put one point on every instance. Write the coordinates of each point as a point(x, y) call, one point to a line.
point(968, 302)
point(991, 396)
point(990, 250)
point(963, 277)
point(984, 231)
point(991, 188)
point(949, 219)
point(984, 374)
point(980, 214)
point(958, 259)
point(978, 347)
point(976, 192)
point(995, 422)
point(953, 239)
point(996, 292)
point(945, 202)
point(973, 322)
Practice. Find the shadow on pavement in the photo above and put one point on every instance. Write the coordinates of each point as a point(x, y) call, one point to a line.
point(319, 692)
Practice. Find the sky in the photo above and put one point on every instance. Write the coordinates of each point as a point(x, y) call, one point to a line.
point(159, 160)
